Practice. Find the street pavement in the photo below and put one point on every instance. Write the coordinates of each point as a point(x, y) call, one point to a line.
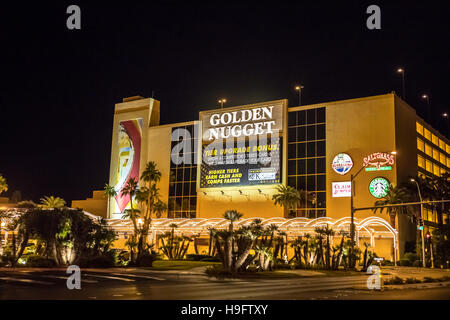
point(134, 284)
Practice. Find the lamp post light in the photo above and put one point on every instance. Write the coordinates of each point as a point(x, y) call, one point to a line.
point(222, 101)
point(427, 98)
point(446, 115)
point(299, 89)
point(421, 217)
point(402, 72)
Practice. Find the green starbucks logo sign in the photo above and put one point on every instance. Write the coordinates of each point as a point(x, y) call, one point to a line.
point(378, 187)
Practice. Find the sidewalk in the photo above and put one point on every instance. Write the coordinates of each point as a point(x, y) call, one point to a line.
point(413, 272)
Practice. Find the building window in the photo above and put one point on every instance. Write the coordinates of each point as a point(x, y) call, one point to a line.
point(421, 162)
point(427, 134)
point(428, 166)
point(434, 139)
point(183, 181)
point(442, 144)
point(435, 154)
point(420, 145)
point(442, 158)
point(419, 128)
point(428, 150)
point(436, 170)
point(306, 159)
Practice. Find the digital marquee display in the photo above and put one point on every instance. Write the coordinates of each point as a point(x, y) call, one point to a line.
point(242, 146)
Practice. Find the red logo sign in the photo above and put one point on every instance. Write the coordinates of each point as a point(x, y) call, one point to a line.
point(379, 159)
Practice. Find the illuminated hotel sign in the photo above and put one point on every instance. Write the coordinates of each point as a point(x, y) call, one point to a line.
point(342, 163)
point(341, 189)
point(378, 187)
point(242, 146)
point(242, 122)
point(379, 161)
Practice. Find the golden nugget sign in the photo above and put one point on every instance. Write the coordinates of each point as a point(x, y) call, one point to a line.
point(242, 122)
point(379, 161)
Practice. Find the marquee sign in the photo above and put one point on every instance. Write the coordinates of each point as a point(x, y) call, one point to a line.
point(242, 146)
point(341, 189)
point(379, 161)
point(378, 187)
point(342, 163)
point(242, 122)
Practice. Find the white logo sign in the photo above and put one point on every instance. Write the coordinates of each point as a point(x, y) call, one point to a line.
point(341, 189)
point(342, 163)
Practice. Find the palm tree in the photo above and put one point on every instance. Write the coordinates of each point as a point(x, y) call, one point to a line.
point(51, 202)
point(3, 184)
point(395, 195)
point(110, 192)
point(232, 216)
point(286, 197)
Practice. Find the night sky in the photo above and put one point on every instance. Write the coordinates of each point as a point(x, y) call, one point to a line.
point(59, 86)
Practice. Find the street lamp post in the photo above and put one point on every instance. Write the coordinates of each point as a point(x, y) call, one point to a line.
point(299, 89)
point(352, 208)
point(427, 98)
point(446, 115)
point(421, 217)
point(222, 101)
point(402, 71)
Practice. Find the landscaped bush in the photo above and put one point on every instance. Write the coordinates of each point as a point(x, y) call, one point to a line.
point(429, 279)
point(146, 260)
point(412, 280)
point(387, 263)
point(394, 280)
point(197, 257)
point(417, 263)
point(39, 261)
point(211, 259)
point(404, 263)
point(412, 257)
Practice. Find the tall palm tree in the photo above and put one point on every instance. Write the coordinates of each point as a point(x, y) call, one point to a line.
point(51, 202)
point(232, 216)
point(3, 184)
point(286, 197)
point(395, 195)
point(110, 192)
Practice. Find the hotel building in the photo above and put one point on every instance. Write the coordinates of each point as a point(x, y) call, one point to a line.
point(313, 148)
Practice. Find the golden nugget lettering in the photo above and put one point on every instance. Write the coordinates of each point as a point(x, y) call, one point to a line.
point(231, 124)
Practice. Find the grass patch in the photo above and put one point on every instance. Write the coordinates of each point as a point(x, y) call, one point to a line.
point(162, 265)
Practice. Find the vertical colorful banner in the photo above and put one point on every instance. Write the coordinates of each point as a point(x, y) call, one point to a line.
point(129, 140)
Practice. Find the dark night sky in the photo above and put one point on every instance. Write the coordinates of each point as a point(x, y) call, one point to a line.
point(59, 87)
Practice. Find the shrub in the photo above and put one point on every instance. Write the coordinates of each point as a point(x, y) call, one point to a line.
point(197, 257)
point(404, 262)
point(39, 261)
point(411, 257)
point(387, 263)
point(429, 279)
point(394, 280)
point(412, 280)
point(417, 263)
point(212, 259)
point(146, 260)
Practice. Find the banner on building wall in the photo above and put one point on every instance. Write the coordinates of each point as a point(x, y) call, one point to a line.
point(341, 189)
point(128, 160)
point(242, 146)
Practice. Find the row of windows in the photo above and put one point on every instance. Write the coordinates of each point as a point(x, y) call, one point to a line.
point(306, 150)
point(432, 137)
point(183, 177)
point(315, 182)
point(306, 166)
point(430, 166)
point(307, 133)
point(297, 118)
point(432, 152)
point(310, 213)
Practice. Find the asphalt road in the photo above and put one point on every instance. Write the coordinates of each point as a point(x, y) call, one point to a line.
point(142, 284)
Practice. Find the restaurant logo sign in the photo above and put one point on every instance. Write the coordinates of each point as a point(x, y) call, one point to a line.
point(342, 163)
point(341, 189)
point(379, 161)
point(378, 187)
